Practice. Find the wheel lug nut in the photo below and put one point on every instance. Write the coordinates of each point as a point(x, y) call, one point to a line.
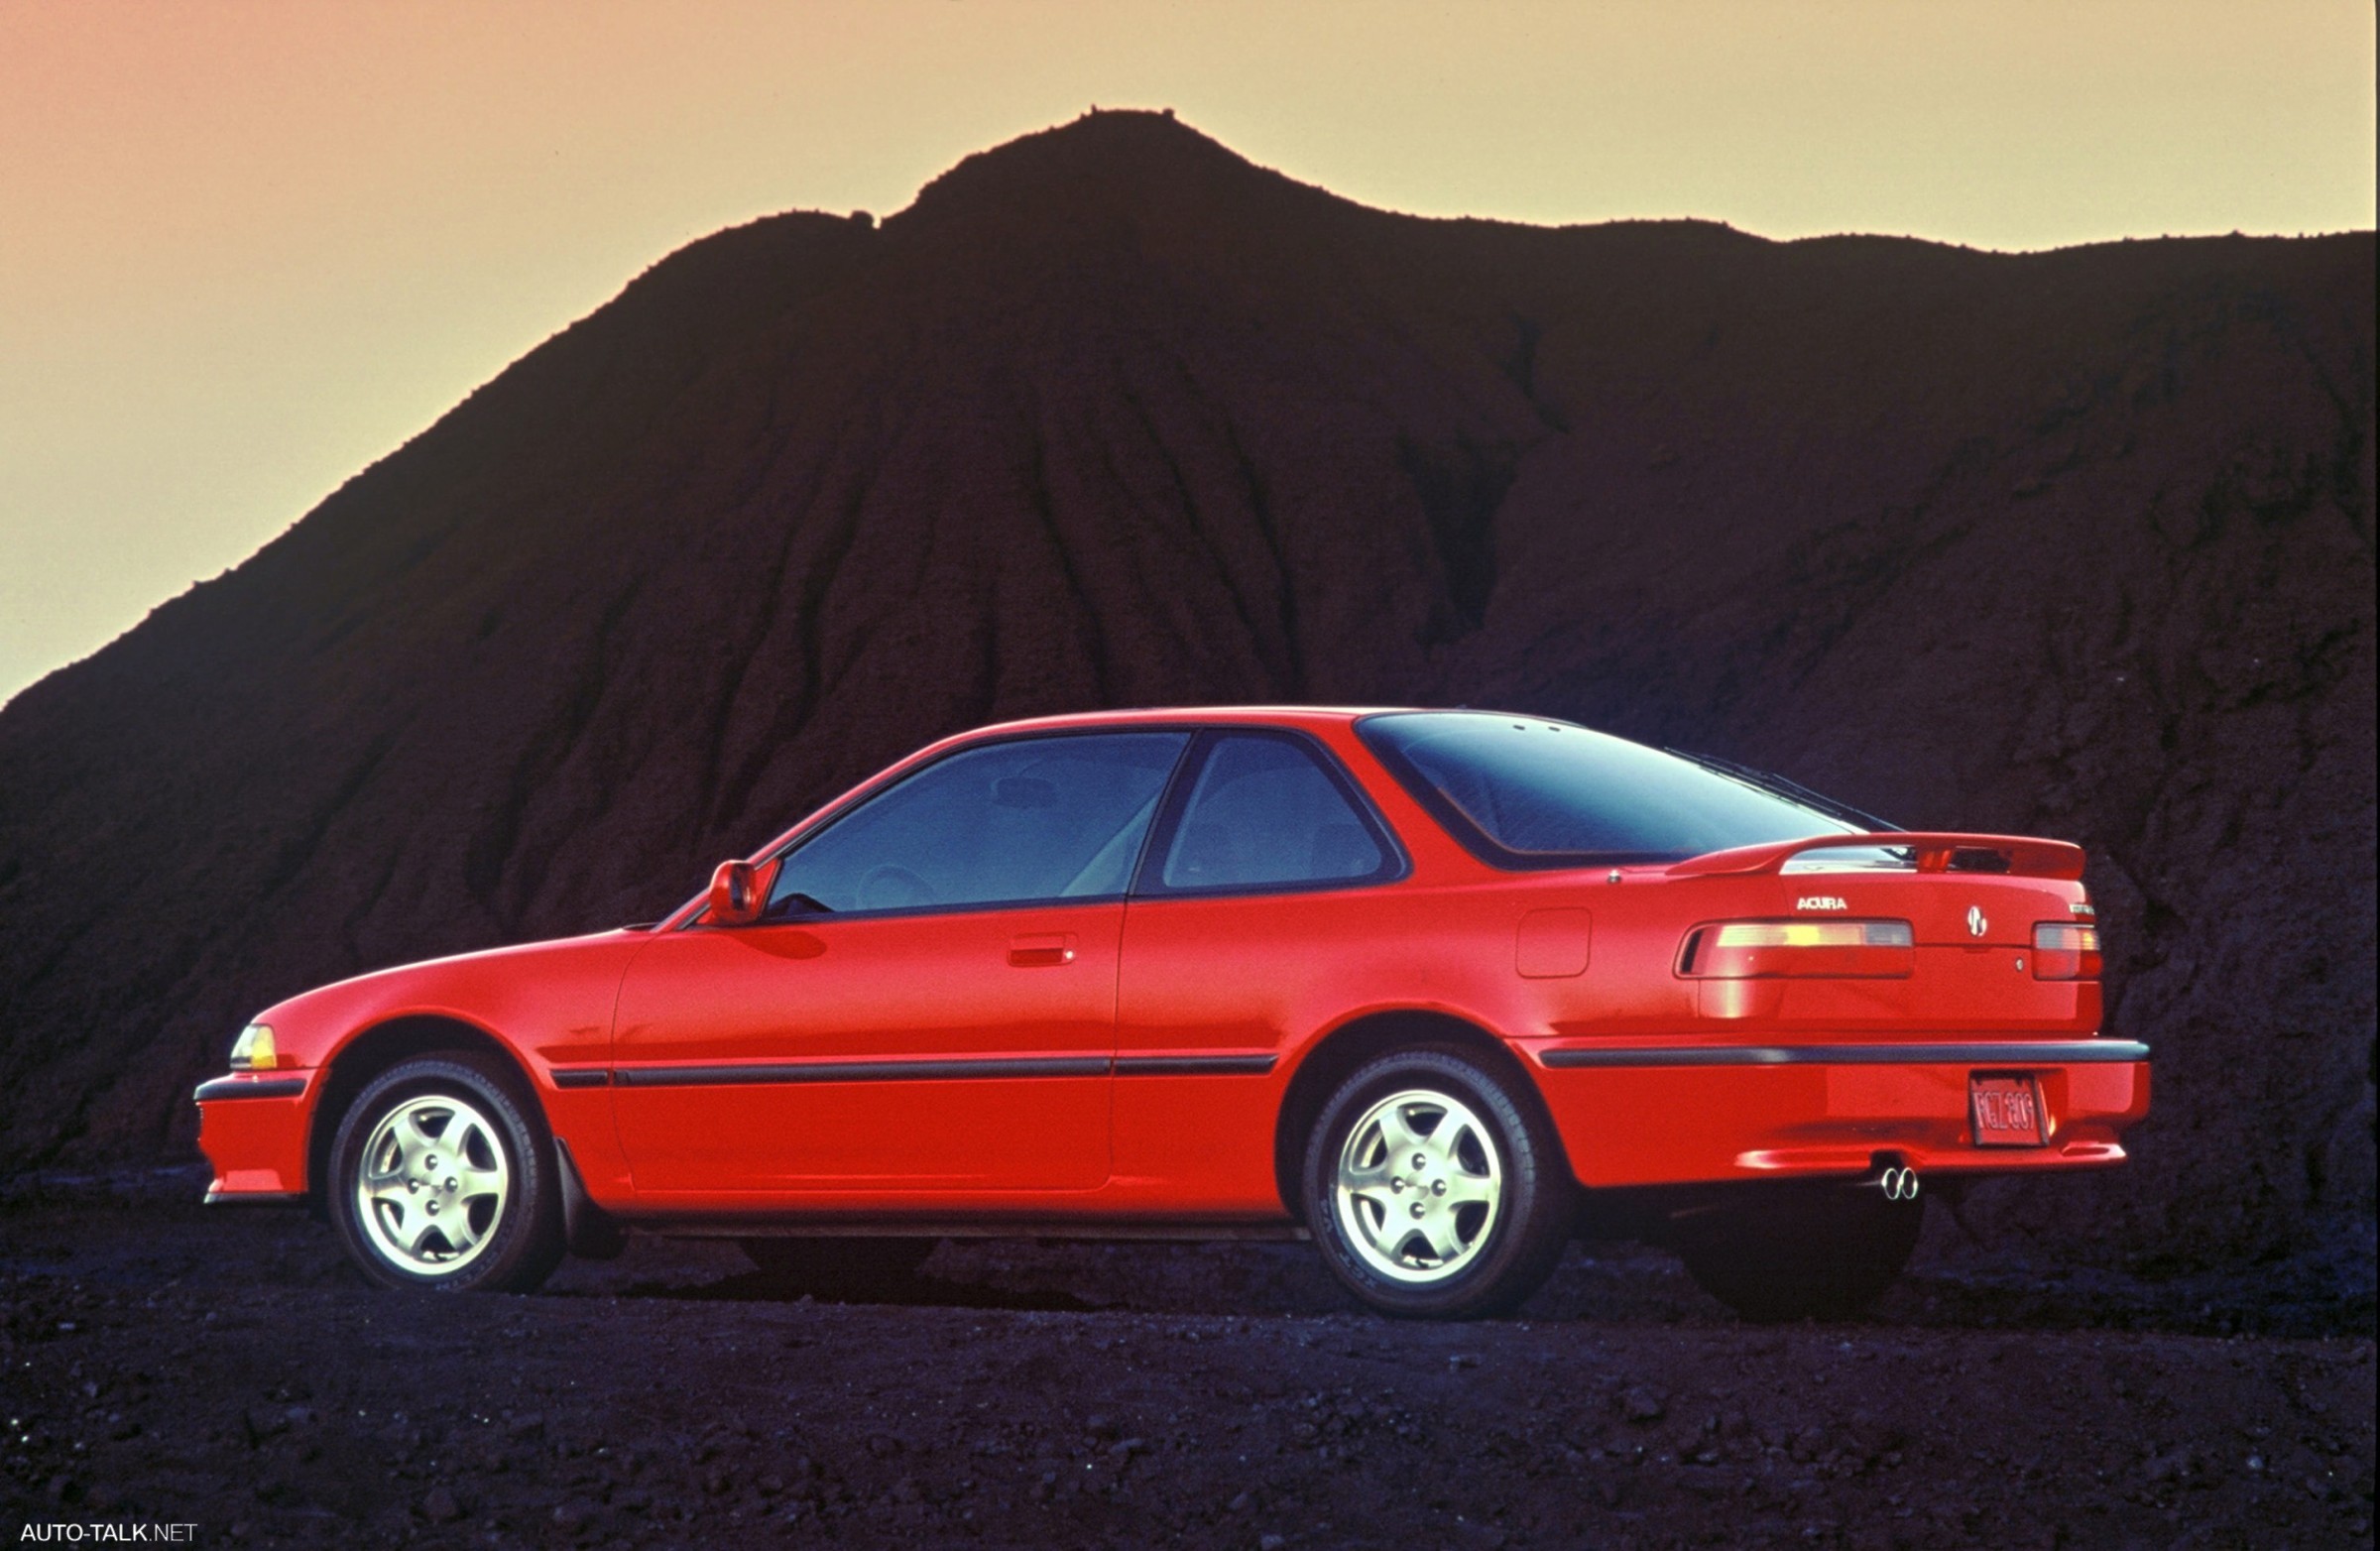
point(1437, 1186)
point(1421, 1160)
point(1418, 1209)
point(1396, 1181)
point(431, 1209)
point(429, 1162)
point(1441, 1187)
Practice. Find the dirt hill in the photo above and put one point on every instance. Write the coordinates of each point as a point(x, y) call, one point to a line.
point(2075, 542)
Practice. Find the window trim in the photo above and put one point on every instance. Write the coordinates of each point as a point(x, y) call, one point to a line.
point(1148, 882)
point(827, 820)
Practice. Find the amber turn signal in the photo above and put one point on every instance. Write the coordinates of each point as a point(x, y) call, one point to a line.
point(1761, 950)
point(253, 1050)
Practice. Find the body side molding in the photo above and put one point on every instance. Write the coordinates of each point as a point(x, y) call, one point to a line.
point(1253, 1065)
point(967, 1068)
point(2014, 1053)
point(962, 1069)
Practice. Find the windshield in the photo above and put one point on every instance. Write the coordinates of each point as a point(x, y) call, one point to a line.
point(1522, 792)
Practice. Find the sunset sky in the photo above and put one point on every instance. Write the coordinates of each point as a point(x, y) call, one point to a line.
point(246, 247)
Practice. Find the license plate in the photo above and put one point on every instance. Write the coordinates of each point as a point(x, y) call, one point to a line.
point(2007, 1111)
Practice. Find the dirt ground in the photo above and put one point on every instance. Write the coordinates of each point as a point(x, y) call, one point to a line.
point(168, 1364)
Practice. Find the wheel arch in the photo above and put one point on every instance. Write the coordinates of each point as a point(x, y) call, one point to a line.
point(1330, 1059)
point(372, 1051)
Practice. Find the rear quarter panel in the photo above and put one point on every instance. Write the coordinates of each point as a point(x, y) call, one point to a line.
point(1274, 977)
point(1277, 975)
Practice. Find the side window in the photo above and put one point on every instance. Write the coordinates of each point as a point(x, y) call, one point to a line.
point(1040, 818)
point(1263, 812)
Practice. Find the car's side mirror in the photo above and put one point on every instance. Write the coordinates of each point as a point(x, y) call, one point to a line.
point(739, 892)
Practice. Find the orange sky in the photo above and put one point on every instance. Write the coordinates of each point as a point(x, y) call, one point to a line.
point(246, 247)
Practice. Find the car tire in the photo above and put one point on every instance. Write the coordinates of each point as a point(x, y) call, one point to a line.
point(1797, 1250)
point(1421, 1223)
point(442, 1176)
point(839, 1267)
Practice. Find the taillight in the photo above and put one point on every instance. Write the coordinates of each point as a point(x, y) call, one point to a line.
point(1762, 950)
point(2063, 950)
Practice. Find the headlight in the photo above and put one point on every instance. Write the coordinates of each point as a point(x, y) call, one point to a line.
point(253, 1050)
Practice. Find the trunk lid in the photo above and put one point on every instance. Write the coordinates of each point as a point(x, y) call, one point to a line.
point(1971, 901)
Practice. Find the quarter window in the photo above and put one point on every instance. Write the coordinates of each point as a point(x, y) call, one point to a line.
point(1036, 819)
point(1263, 812)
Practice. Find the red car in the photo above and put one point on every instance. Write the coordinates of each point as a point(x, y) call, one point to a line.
point(1437, 989)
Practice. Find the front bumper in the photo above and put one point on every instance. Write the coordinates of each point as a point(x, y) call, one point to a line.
point(1680, 1113)
point(251, 1128)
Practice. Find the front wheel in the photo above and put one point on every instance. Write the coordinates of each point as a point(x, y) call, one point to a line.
point(440, 1178)
point(1791, 1249)
point(1435, 1188)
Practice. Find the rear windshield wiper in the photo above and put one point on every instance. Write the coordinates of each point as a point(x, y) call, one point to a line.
point(1784, 786)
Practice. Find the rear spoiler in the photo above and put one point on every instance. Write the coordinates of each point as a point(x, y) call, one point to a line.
point(1936, 853)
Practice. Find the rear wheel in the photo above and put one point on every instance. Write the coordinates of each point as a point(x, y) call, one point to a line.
point(840, 1267)
point(1434, 1187)
point(1797, 1250)
point(441, 1179)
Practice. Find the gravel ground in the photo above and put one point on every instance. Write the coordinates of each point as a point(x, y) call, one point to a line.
point(167, 1364)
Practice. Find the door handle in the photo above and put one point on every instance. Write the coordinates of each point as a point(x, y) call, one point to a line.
point(1041, 950)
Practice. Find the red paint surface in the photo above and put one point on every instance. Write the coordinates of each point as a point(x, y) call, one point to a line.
point(1244, 977)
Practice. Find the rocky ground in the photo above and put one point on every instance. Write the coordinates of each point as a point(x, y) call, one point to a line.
point(164, 1364)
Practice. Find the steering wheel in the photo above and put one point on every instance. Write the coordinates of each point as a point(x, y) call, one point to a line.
point(892, 877)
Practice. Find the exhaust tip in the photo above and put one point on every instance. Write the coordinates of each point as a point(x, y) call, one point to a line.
point(1898, 1181)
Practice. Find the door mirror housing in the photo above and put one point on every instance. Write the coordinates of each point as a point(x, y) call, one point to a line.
point(739, 892)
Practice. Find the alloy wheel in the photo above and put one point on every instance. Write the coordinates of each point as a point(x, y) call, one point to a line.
point(1418, 1186)
point(431, 1185)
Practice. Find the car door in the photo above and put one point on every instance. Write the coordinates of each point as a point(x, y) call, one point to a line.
point(1258, 905)
point(927, 1007)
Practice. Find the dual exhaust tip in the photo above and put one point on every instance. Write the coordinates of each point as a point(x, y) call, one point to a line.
point(1898, 1181)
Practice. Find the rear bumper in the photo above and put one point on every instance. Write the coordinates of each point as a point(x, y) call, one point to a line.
point(253, 1132)
point(1647, 1114)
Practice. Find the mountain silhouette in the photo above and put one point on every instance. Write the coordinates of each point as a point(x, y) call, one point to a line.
point(2074, 543)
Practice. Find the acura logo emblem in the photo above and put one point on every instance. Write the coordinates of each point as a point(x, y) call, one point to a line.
point(1977, 925)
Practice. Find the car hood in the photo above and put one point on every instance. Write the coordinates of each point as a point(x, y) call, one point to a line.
point(558, 986)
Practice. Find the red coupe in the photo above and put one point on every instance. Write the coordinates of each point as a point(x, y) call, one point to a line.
point(1436, 988)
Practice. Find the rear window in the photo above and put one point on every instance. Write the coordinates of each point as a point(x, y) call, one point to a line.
point(1524, 793)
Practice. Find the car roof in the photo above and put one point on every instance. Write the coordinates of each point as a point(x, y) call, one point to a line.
point(1253, 715)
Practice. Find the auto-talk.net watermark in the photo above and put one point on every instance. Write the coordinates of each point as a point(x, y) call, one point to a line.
point(62, 1533)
